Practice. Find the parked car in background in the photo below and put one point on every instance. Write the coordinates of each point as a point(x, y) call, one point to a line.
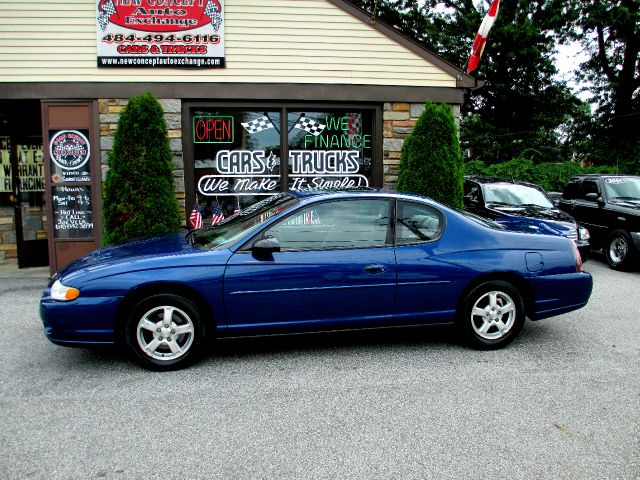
point(555, 197)
point(314, 261)
point(522, 206)
point(609, 205)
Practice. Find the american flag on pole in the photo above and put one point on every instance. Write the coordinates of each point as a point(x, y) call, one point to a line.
point(309, 125)
point(481, 36)
point(236, 207)
point(258, 125)
point(354, 123)
point(217, 216)
point(196, 216)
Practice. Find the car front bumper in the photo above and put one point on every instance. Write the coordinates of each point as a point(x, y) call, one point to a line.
point(84, 321)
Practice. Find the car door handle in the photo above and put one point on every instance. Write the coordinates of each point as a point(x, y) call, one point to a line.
point(375, 268)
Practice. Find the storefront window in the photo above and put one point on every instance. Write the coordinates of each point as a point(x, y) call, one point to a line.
point(237, 155)
point(236, 159)
point(330, 150)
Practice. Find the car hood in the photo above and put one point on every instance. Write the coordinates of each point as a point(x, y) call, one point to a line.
point(630, 205)
point(134, 255)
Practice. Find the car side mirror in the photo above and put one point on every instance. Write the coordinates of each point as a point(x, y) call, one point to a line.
point(265, 246)
point(594, 197)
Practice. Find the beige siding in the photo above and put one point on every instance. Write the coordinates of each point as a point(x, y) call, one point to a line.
point(276, 41)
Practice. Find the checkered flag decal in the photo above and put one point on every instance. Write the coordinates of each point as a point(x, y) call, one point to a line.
point(258, 125)
point(212, 10)
point(106, 10)
point(310, 125)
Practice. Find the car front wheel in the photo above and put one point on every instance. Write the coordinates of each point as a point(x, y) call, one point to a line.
point(492, 315)
point(619, 250)
point(164, 332)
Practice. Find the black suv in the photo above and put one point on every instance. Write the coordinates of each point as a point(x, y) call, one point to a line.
point(522, 206)
point(609, 205)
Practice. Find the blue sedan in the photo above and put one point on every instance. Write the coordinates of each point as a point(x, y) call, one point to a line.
point(310, 262)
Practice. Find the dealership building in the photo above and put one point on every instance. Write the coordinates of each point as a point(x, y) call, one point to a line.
point(259, 97)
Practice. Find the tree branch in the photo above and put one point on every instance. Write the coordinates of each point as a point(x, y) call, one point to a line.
point(602, 54)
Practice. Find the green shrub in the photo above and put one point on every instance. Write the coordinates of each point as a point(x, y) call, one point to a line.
point(139, 193)
point(430, 159)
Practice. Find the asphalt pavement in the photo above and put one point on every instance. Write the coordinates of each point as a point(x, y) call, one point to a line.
point(563, 401)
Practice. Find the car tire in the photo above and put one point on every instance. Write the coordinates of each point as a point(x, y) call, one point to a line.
point(492, 315)
point(164, 332)
point(619, 250)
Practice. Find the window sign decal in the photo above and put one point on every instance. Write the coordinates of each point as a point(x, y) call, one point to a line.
point(242, 172)
point(160, 33)
point(70, 151)
point(72, 210)
point(30, 166)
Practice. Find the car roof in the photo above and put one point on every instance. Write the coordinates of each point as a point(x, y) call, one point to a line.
point(322, 194)
point(603, 175)
point(486, 180)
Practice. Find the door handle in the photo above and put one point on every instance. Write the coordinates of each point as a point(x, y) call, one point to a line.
point(375, 268)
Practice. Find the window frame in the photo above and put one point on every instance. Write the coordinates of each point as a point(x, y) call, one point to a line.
point(441, 226)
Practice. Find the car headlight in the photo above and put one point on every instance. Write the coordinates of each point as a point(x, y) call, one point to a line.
point(63, 293)
point(583, 233)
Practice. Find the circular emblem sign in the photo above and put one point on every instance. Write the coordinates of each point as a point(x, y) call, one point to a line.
point(69, 149)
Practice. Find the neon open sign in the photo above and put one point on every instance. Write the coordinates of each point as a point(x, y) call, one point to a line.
point(212, 129)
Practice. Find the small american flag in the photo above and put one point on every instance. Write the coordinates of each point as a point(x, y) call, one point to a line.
point(311, 218)
point(217, 215)
point(196, 216)
point(236, 208)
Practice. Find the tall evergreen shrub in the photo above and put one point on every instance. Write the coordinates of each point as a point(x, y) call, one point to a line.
point(139, 193)
point(430, 159)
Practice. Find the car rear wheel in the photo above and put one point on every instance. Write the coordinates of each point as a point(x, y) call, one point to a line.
point(619, 250)
point(492, 315)
point(164, 332)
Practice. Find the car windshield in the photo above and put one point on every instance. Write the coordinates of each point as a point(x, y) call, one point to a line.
point(622, 188)
point(514, 194)
point(237, 226)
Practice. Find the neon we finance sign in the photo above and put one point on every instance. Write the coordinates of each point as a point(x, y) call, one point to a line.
point(246, 172)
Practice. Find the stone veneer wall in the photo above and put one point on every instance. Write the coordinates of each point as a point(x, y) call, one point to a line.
point(110, 113)
point(8, 245)
point(398, 122)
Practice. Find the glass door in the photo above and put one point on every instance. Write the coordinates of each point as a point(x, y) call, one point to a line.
point(27, 163)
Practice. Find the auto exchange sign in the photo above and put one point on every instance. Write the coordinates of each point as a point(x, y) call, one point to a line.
point(160, 33)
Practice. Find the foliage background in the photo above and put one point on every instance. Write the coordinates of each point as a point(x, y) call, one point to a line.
point(525, 109)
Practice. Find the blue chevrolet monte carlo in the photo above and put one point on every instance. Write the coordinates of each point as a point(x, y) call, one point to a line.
point(311, 262)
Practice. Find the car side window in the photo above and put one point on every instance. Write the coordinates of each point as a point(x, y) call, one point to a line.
point(588, 186)
point(471, 191)
point(572, 190)
point(334, 224)
point(417, 223)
